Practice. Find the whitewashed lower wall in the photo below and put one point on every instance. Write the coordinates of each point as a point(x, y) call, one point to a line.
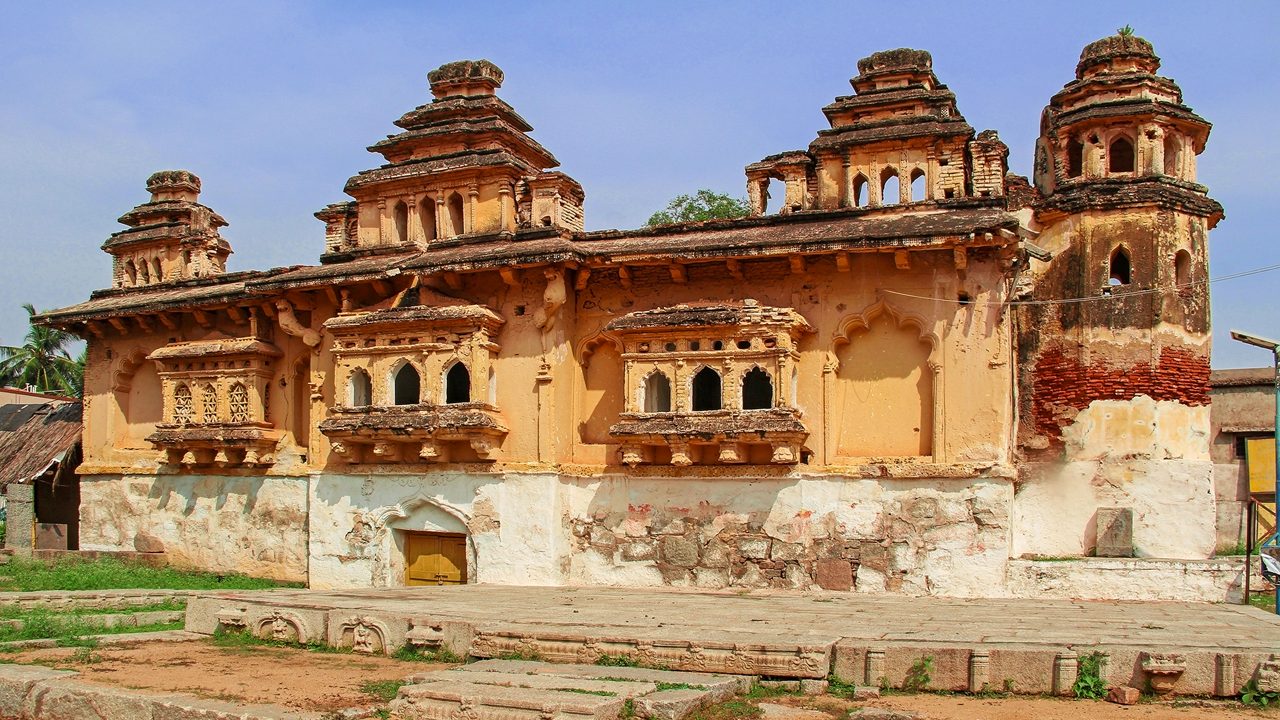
point(251, 525)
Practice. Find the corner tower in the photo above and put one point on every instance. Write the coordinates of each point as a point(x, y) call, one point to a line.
point(463, 165)
point(1114, 350)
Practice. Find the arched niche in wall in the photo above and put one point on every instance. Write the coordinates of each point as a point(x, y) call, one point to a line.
point(300, 402)
point(885, 386)
point(140, 398)
point(420, 513)
point(603, 396)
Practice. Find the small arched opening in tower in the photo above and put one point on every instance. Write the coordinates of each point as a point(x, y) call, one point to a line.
point(1172, 155)
point(407, 385)
point(457, 384)
point(706, 390)
point(1120, 156)
point(1075, 158)
point(1121, 270)
point(757, 390)
point(1182, 270)
point(455, 215)
point(400, 216)
point(917, 185)
point(427, 218)
point(860, 191)
point(890, 188)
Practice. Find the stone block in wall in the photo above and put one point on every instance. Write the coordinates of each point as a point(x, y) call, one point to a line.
point(51, 536)
point(680, 552)
point(1115, 532)
point(715, 555)
point(20, 512)
point(834, 574)
point(754, 548)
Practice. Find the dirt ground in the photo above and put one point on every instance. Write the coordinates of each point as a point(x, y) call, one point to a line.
point(959, 707)
point(296, 679)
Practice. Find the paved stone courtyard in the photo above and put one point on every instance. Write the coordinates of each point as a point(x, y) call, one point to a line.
point(1029, 645)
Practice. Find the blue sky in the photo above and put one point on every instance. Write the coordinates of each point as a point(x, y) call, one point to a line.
point(274, 103)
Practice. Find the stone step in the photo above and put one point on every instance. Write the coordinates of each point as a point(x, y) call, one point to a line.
point(720, 686)
point(446, 700)
point(520, 690)
point(623, 689)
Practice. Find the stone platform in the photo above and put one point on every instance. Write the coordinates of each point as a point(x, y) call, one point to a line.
point(1029, 646)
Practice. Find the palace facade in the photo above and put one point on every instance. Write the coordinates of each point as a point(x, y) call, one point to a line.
point(905, 370)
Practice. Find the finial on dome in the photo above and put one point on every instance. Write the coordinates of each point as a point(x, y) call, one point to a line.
point(465, 77)
point(173, 185)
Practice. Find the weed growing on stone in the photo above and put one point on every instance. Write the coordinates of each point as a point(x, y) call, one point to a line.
point(384, 690)
point(1089, 684)
point(918, 675)
point(608, 660)
point(1250, 694)
point(839, 688)
point(679, 686)
point(16, 612)
point(581, 691)
point(242, 639)
point(526, 655)
point(408, 653)
point(628, 711)
point(767, 691)
point(728, 710)
point(68, 628)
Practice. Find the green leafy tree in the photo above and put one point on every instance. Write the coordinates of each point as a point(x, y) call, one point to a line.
point(43, 361)
point(702, 205)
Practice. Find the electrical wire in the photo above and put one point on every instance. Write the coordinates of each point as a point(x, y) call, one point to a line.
point(1099, 298)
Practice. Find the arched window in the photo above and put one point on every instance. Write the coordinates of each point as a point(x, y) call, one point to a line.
point(208, 404)
point(427, 217)
point(359, 389)
point(706, 390)
point(890, 189)
point(131, 271)
point(493, 387)
point(238, 403)
point(917, 185)
point(455, 215)
point(457, 384)
point(407, 385)
point(1120, 267)
point(859, 198)
point(156, 272)
point(757, 390)
point(1172, 155)
point(1075, 158)
point(1120, 156)
point(400, 217)
point(144, 273)
point(182, 404)
point(657, 393)
point(1182, 269)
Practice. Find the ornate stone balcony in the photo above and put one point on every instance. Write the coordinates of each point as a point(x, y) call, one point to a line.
point(217, 444)
point(461, 432)
point(711, 437)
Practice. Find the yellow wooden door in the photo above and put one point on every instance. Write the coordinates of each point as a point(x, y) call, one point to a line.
point(435, 559)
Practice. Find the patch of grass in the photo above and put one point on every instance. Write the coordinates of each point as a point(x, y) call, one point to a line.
point(608, 660)
point(580, 691)
point(1240, 548)
point(69, 628)
point(15, 612)
point(729, 710)
point(918, 675)
point(679, 686)
point(1263, 601)
point(1089, 684)
point(85, 655)
point(758, 691)
point(384, 690)
point(527, 655)
point(408, 653)
point(76, 573)
point(839, 688)
point(243, 639)
point(628, 710)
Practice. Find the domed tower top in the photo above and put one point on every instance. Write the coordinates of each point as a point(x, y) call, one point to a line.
point(171, 237)
point(462, 164)
point(1123, 52)
point(1120, 122)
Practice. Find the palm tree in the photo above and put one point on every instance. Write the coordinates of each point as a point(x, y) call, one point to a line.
point(42, 361)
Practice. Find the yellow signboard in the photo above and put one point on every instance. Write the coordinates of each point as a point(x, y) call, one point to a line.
point(1260, 459)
